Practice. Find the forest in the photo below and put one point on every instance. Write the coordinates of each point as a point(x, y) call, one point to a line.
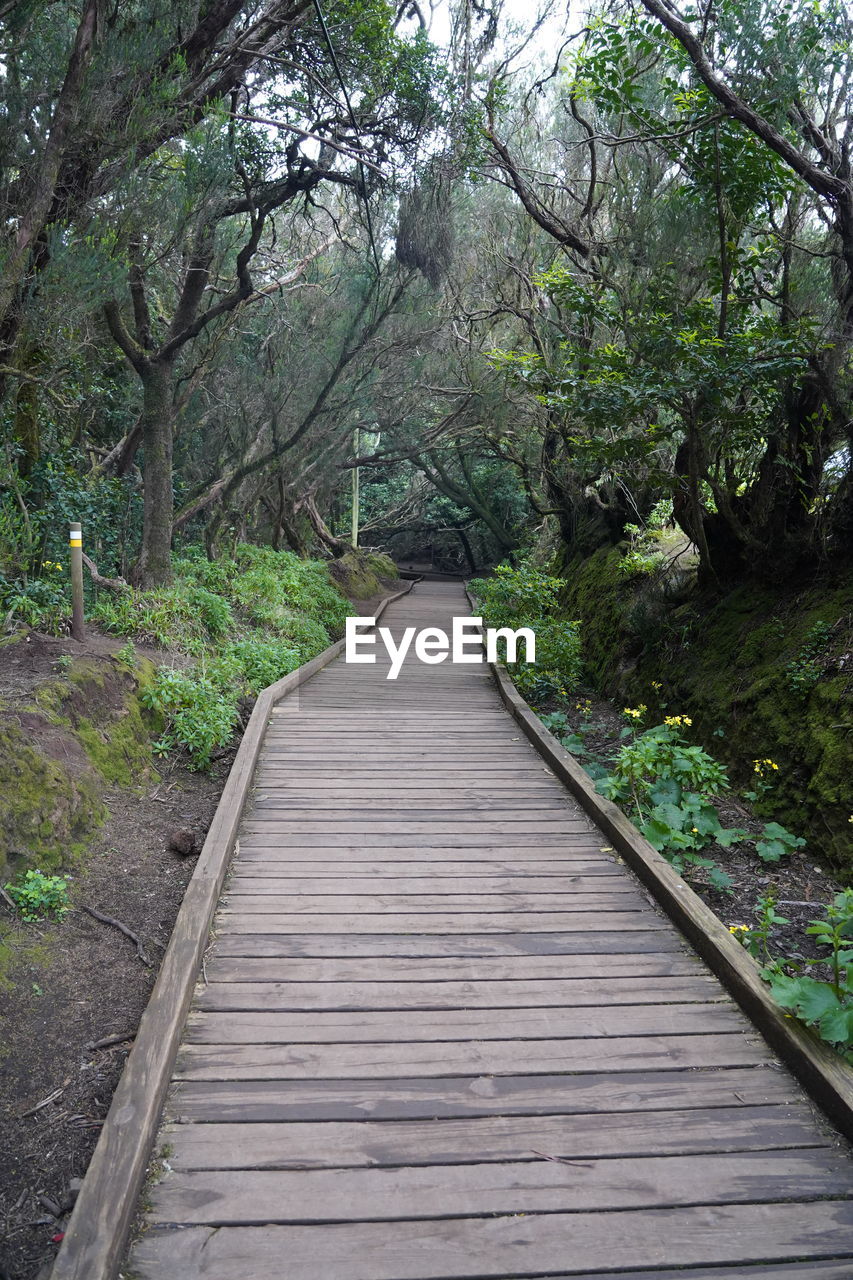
point(463, 285)
point(296, 295)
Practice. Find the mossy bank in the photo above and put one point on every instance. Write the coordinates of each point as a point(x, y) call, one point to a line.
point(80, 732)
point(764, 675)
point(221, 632)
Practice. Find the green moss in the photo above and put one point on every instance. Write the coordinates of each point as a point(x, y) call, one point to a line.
point(725, 662)
point(21, 951)
point(357, 573)
point(43, 807)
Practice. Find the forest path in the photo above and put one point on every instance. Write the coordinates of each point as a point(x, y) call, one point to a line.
point(442, 1033)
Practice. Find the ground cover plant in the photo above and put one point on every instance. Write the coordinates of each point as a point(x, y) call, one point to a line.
point(242, 623)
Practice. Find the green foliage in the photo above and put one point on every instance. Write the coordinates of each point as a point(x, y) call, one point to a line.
point(259, 661)
point(826, 1006)
point(247, 623)
point(198, 715)
point(34, 519)
point(669, 783)
point(524, 596)
point(756, 938)
point(184, 616)
point(127, 654)
point(645, 554)
point(38, 895)
point(803, 672)
point(777, 842)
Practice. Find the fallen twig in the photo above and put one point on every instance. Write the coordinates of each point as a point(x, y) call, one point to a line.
point(10, 904)
point(107, 1041)
point(45, 1102)
point(122, 928)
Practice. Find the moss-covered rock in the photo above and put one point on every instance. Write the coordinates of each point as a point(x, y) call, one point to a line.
point(764, 674)
point(363, 574)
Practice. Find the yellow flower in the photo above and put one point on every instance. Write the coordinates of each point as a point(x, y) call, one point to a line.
point(656, 684)
point(738, 928)
point(676, 721)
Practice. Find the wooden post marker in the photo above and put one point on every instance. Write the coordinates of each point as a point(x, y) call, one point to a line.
point(75, 543)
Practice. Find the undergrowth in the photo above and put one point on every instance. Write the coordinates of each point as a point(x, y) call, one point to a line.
point(246, 622)
point(668, 785)
point(524, 596)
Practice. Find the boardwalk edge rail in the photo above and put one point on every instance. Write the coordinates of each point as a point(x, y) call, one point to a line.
point(97, 1231)
point(821, 1071)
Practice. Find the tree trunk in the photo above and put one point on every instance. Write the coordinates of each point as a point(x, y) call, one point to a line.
point(154, 566)
point(26, 413)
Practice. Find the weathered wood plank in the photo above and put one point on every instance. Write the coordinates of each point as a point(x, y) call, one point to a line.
point(253, 1197)
point(238, 898)
point(248, 880)
point(378, 971)
point(520, 1095)
point(443, 857)
point(606, 994)
point(334, 1144)
point(264, 833)
point(466, 1057)
point(466, 876)
point(504, 1246)
point(425, 923)
point(421, 946)
point(221, 1019)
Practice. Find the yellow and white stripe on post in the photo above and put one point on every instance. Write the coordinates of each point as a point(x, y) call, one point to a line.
point(75, 544)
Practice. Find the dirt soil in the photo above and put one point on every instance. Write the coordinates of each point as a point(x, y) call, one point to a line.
point(72, 992)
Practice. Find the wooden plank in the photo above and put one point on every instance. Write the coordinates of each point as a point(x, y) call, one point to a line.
point(239, 898)
point(556, 993)
point(437, 872)
point(465, 1057)
point(444, 858)
point(272, 834)
point(510, 1246)
point(462, 922)
point(252, 1197)
point(247, 881)
point(521, 1095)
point(221, 1018)
point(474, 829)
point(295, 794)
point(449, 809)
point(469, 944)
point(332, 1144)
point(378, 972)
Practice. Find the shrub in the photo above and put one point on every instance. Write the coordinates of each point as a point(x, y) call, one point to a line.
point(669, 784)
point(198, 714)
point(261, 661)
point(527, 597)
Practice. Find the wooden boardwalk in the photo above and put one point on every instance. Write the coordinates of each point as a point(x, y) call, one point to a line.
point(442, 1033)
